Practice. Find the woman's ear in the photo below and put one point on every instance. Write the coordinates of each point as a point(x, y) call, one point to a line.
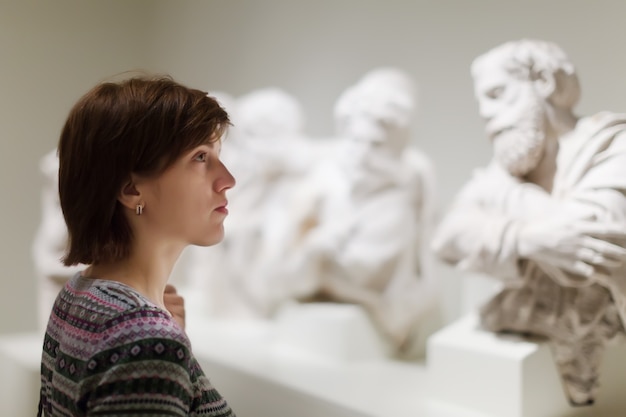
point(545, 84)
point(129, 195)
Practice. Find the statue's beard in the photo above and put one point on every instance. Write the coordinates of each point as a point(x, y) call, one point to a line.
point(520, 148)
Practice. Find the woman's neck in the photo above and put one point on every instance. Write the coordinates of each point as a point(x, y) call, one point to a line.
point(146, 270)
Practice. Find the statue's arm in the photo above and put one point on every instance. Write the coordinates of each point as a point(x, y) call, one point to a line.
point(496, 221)
point(481, 231)
point(478, 240)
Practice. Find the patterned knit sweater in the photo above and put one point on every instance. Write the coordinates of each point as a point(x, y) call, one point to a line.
point(109, 351)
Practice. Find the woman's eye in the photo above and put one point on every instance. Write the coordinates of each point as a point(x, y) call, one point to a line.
point(201, 157)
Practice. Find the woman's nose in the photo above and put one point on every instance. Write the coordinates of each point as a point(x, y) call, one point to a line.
point(225, 181)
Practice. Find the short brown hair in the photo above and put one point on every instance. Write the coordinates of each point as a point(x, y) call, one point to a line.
point(139, 125)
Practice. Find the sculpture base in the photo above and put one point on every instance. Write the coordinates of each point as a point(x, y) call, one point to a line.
point(335, 331)
point(512, 377)
point(261, 376)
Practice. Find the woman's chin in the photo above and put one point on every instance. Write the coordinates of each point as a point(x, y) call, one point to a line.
point(214, 239)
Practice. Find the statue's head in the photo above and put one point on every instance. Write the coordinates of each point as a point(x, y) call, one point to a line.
point(522, 87)
point(375, 109)
point(49, 166)
point(269, 113)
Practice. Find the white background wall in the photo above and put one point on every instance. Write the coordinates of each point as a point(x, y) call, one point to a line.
point(53, 51)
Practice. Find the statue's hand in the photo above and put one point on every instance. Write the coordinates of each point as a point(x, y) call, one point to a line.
point(583, 248)
point(175, 304)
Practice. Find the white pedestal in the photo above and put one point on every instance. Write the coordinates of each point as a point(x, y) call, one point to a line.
point(261, 377)
point(20, 381)
point(510, 377)
point(335, 331)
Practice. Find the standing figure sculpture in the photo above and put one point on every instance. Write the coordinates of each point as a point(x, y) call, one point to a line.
point(548, 213)
point(50, 241)
point(362, 216)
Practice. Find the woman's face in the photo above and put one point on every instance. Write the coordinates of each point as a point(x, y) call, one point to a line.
point(187, 202)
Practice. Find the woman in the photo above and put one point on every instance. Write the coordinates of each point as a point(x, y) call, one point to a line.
point(139, 179)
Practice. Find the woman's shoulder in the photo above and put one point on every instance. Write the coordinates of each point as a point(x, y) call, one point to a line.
point(112, 294)
point(145, 332)
point(137, 342)
point(110, 308)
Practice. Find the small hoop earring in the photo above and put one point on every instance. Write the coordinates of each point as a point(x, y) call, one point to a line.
point(139, 209)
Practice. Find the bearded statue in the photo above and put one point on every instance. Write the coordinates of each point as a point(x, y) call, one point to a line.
point(547, 216)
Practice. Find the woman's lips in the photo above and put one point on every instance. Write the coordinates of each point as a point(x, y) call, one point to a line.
point(222, 209)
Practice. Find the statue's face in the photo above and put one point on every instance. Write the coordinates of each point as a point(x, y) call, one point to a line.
point(515, 118)
point(354, 121)
point(374, 116)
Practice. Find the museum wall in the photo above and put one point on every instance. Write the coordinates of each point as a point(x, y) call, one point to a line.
point(51, 52)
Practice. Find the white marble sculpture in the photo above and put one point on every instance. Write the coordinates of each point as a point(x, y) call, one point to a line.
point(360, 218)
point(50, 240)
point(268, 153)
point(547, 216)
